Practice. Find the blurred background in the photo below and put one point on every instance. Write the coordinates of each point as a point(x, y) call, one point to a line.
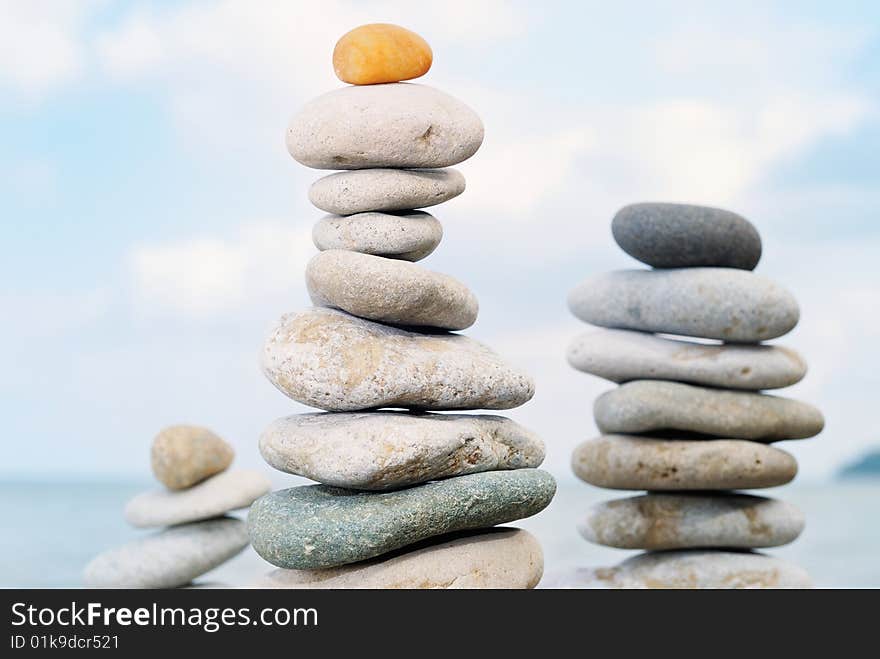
point(153, 226)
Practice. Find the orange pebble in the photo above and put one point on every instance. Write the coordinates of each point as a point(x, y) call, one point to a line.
point(381, 52)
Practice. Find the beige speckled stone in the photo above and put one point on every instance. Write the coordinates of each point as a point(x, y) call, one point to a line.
point(407, 236)
point(181, 456)
point(365, 190)
point(494, 558)
point(622, 462)
point(400, 125)
point(387, 450)
point(713, 303)
point(227, 491)
point(625, 355)
point(688, 569)
point(170, 558)
point(646, 406)
point(684, 521)
point(389, 291)
point(333, 361)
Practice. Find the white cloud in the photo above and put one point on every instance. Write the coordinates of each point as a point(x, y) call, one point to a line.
point(41, 45)
point(277, 40)
point(208, 276)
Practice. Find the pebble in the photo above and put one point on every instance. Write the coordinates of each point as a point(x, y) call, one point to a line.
point(682, 521)
point(182, 455)
point(380, 52)
point(503, 558)
point(366, 190)
point(230, 490)
point(398, 125)
point(645, 406)
point(695, 568)
point(317, 526)
point(407, 236)
point(714, 303)
point(682, 235)
point(387, 450)
point(170, 558)
point(389, 291)
point(625, 355)
point(621, 462)
point(337, 362)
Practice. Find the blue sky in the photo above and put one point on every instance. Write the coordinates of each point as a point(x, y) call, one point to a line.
point(153, 224)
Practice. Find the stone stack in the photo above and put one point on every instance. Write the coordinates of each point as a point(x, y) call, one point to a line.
point(406, 498)
point(689, 422)
point(191, 462)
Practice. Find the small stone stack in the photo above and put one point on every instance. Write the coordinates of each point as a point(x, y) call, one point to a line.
point(406, 498)
point(191, 463)
point(688, 422)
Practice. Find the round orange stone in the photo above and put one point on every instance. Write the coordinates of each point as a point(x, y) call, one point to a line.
point(381, 52)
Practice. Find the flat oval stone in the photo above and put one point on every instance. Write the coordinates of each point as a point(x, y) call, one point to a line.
point(380, 52)
point(336, 362)
point(683, 521)
point(625, 355)
point(407, 236)
point(682, 235)
point(399, 125)
point(645, 406)
point(492, 558)
point(695, 568)
point(170, 558)
point(230, 490)
point(389, 291)
point(317, 526)
point(621, 462)
point(182, 455)
point(386, 450)
point(713, 303)
point(365, 190)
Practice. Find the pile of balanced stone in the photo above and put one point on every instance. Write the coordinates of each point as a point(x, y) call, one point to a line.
point(406, 499)
point(688, 422)
point(191, 462)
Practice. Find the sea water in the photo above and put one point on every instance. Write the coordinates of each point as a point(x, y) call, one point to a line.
point(51, 530)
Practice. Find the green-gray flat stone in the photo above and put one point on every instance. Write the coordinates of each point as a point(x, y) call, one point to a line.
point(317, 526)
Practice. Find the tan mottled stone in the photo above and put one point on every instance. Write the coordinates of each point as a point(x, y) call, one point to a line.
point(183, 455)
point(389, 291)
point(624, 462)
point(684, 521)
point(688, 569)
point(387, 450)
point(646, 406)
point(227, 491)
point(494, 558)
point(337, 362)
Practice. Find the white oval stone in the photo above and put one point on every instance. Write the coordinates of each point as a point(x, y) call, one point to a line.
point(387, 450)
point(646, 406)
point(389, 291)
point(494, 558)
point(227, 491)
point(696, 568)
point(714, 303)
point(336, 362)
point(365, 190)
point(625, 355)
point(685, 521)
point(170, 558)
point(622, 462)
point(399, 125)
point(406, 236)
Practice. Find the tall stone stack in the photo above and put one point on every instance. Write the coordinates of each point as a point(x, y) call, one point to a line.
point(689, 422)
point(406, 497)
